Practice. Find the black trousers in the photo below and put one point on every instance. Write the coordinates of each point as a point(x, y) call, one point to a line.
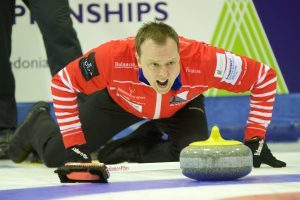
point(60, 40)
point(102, 119)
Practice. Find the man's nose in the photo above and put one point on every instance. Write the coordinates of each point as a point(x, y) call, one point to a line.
point(163, 72)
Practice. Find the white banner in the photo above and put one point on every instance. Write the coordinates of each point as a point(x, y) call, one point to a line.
point(97, 22)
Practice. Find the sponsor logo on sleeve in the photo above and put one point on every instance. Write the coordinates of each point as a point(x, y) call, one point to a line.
point(233, 69)
point(221, 65)
point(88, 66)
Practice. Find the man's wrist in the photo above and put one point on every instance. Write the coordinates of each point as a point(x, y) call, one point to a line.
point(253, 139)
point(78, 153)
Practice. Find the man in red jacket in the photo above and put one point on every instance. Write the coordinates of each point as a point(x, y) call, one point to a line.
point(156, 75)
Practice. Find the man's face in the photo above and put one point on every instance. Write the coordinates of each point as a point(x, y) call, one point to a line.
point(160, 64)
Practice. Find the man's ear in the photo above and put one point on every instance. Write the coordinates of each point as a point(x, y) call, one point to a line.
point(138, 59)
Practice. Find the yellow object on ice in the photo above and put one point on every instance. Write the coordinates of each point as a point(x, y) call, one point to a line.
point(215, 139)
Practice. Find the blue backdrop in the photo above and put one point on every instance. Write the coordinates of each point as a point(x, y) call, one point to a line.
point(281, 20)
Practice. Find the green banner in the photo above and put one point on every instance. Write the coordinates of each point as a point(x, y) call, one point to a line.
point(240, 31)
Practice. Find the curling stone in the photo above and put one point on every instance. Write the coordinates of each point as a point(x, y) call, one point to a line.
point(216, 159)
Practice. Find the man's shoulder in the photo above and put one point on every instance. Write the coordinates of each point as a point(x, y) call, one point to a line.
point(191, 49)
point(121, 46)
point(186, 43)
point(115, 48)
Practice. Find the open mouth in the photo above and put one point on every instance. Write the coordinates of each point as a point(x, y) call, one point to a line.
point(162, 84)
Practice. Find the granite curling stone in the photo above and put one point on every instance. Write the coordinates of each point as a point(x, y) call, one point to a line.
point(216, 159)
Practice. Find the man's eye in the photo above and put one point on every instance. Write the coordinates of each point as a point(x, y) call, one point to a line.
point(171, 63)
point(154, 64)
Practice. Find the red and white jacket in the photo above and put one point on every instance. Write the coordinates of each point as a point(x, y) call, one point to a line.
point(113, 66)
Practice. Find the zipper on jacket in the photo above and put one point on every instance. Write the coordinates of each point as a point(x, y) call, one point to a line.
point(157, 105)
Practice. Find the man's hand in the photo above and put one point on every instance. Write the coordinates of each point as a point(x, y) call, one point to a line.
point(79, 167)
point(262, 154)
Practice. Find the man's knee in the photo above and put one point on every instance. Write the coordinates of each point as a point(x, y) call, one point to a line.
point(51, 160)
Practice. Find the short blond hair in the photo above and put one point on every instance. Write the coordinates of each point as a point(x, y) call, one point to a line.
point(157, 31)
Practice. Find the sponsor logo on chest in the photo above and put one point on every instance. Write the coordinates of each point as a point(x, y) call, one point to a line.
point(120, 64)
point(179, 98)
point(192, 70)
point(131, 94)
